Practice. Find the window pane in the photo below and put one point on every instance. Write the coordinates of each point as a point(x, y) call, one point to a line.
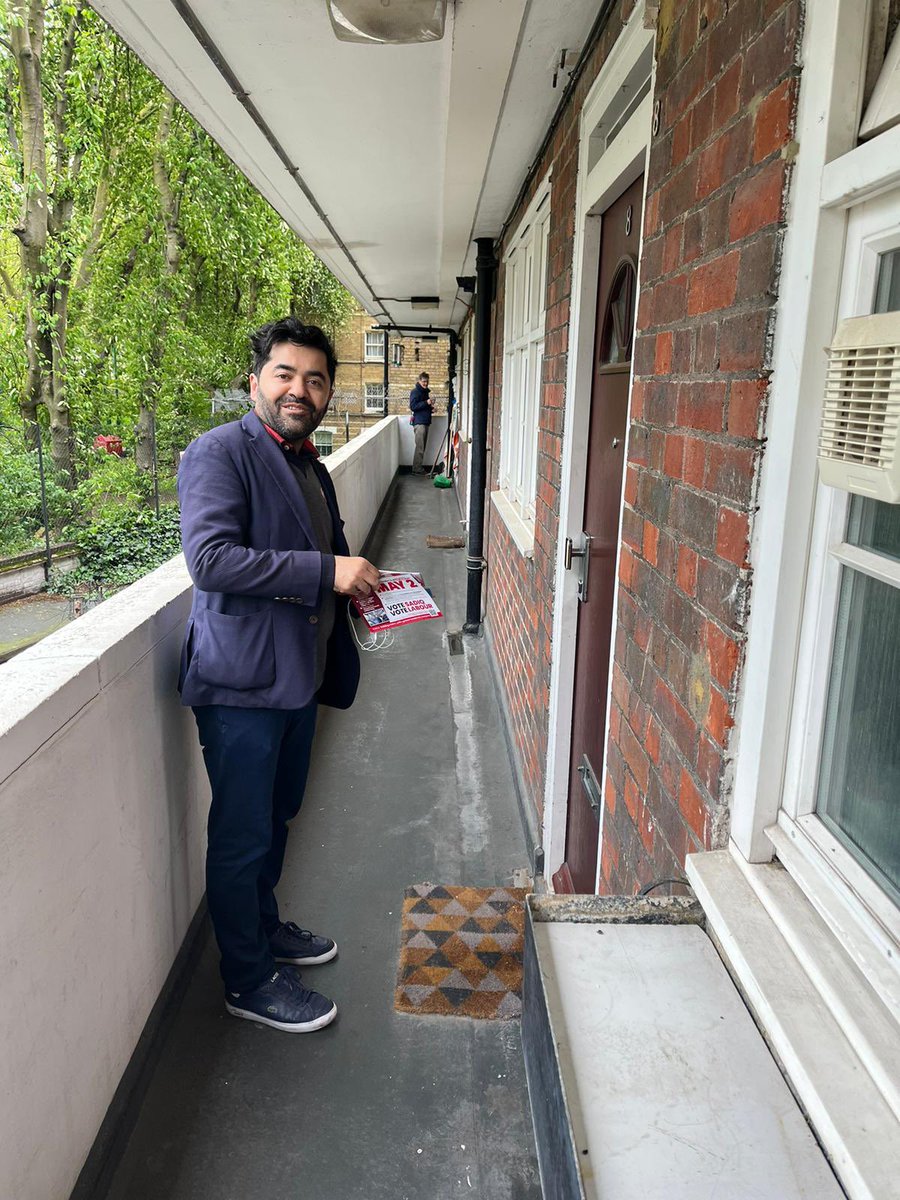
point(875, 525)
point(887, 294)
point(859, 790)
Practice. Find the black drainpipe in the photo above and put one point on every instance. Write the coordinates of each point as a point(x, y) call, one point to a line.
point(384, 404)
point(485, 273)
point(451, 402)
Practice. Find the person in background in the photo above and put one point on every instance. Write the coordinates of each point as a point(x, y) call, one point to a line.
point(422, 405)
point(267, 642)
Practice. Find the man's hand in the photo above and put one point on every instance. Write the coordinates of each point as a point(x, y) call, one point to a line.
point(354, 576)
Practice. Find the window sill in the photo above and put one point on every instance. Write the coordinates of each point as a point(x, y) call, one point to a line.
point(835, 1041)
point(520, 530)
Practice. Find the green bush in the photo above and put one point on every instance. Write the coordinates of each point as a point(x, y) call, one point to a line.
point(119, 548)
point(113, 483)
point(21, 519)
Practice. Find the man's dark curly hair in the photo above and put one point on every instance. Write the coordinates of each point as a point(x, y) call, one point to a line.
point(290, 329)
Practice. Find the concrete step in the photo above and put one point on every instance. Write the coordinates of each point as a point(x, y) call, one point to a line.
point(647, 1075)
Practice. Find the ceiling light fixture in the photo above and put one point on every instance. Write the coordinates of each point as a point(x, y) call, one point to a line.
point(387, 22)
point(424, 302)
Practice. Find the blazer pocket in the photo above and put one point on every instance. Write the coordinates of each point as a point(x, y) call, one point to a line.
point(236, 651)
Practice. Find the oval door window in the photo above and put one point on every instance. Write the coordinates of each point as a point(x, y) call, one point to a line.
point(618, 321)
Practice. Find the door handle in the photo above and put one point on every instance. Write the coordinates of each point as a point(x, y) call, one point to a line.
point(590, 785)
point(584, 553)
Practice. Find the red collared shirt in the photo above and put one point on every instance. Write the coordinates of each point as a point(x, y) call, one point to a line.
point(308, 446)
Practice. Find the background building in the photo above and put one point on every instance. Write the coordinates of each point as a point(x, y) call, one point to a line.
point(359, 393)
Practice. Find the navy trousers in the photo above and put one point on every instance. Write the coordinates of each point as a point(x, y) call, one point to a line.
point(257, 760)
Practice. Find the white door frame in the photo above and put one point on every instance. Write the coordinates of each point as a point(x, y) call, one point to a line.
point(616, 169)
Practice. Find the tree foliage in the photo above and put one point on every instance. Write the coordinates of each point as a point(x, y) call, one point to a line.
point(134, 256)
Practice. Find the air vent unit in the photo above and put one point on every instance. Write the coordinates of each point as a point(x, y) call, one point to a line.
point(858, 443)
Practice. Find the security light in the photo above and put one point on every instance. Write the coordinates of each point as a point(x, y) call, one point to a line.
point(387, 22)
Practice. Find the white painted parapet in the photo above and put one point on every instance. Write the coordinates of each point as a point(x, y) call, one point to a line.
point(362, 472)
point(103, 803)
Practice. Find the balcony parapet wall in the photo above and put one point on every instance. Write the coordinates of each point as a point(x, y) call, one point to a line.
point(103, 803)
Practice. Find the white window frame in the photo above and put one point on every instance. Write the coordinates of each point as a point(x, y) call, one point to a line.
point(374, 400)
point(330, 432)
point(524, 324)
point(371, 352)
point(873, 228)
point(779, 726)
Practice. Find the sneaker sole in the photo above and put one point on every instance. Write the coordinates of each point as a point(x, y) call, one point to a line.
point(310, 962)
point(286, 1027)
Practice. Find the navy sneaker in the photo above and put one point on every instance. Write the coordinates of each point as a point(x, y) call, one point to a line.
point(291, 944)
point(284, 1003)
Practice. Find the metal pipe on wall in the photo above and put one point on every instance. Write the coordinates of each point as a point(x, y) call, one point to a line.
point(485, 273)
point(387, 350)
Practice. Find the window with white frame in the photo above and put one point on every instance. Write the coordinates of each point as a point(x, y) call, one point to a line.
point(525, 289)
point(846, 739)
point(374, 345)
point(323, 440)
point(375, 397)
point(840, 810)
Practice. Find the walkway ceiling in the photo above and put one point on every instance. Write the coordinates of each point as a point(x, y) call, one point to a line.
point(401, 154)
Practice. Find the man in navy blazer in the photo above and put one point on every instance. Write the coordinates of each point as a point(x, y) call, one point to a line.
point(267, 641)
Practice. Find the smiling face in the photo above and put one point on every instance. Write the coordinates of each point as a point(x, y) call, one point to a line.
point(292, 392)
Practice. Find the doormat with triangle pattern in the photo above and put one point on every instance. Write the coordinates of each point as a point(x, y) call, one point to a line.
point(461, 952)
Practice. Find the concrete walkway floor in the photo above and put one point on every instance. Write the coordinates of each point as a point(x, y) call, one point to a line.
point(413, 784)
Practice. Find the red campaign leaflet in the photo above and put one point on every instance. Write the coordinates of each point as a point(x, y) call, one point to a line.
point(400, 599)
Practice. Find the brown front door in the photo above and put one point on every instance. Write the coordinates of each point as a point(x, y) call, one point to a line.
point(613, 339)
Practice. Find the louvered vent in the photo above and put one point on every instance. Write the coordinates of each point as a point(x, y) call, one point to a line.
point(858, 443)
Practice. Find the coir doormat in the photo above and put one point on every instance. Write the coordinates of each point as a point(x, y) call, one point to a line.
point(461, 952)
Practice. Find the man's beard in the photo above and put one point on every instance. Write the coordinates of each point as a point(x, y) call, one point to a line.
point(292, 429)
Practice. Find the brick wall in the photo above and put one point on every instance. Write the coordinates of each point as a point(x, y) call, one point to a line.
point(713, 226)
point(418, 354)
point(713, 223)
point(519, 589)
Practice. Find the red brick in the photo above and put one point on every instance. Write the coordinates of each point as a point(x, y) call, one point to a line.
point(728, 88)
point(662, 363)
point(757, 202)
point(651, 539)
point(630, 485)
point(676, 719)
point(632, 799)
point(701, 406)
point(637, 400)
point(652, 741)
point(694, 468)
point(609, 796)
point(709, 765)
point(731, 536)
point(742, 341)
point(692, 808)
point(718, 718)
point(626, 566)
point(647, 831)
point(729, 472)
point(673, 456)
point(668, 301)
point(672, 248)
point(634, 756)
point(686, 574)
point(713, 285)
point(774, 118)
point(681, 140)
point(722, 653)
point(745, 402)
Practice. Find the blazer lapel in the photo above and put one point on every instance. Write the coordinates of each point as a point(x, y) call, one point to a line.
point(271, 456)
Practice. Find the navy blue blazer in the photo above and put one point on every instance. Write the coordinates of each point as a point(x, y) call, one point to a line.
point(250, 548)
